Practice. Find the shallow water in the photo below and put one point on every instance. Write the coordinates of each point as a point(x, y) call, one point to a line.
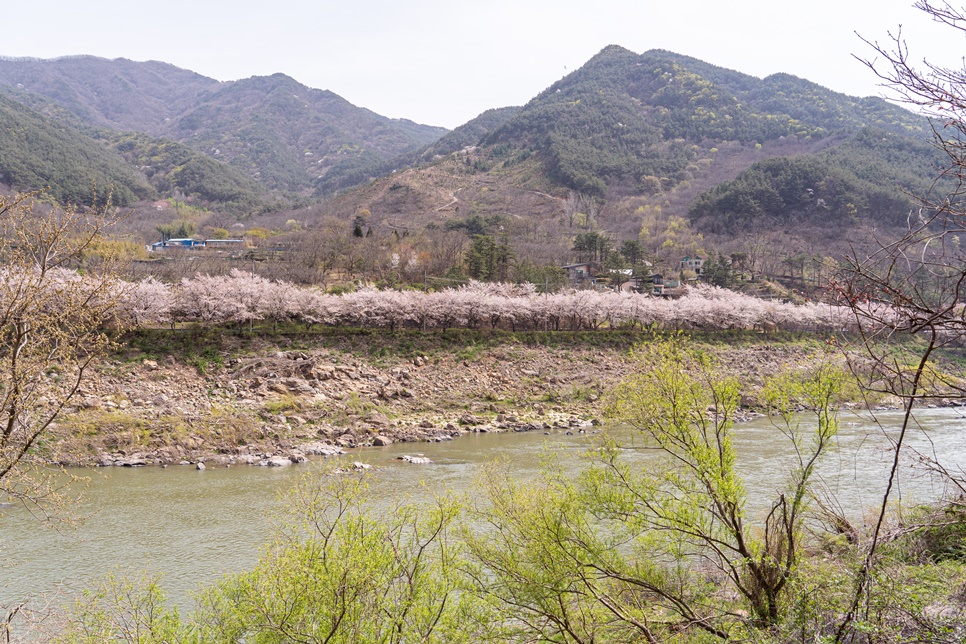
point(194, 526)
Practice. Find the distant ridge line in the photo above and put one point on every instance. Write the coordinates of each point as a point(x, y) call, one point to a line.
point(34, 59)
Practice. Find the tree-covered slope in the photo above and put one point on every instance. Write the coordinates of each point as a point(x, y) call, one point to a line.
point(625, 119)
point(293, 137)
point(279, 132)
point(120, 94)
point(470, 133)
point(870, 177)
point(37, 153)
point(653, 132)
point(176, 169)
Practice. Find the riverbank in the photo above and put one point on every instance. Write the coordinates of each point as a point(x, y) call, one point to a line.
point(170, 397)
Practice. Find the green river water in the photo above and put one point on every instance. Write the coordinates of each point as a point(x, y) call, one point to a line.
point(194, 526)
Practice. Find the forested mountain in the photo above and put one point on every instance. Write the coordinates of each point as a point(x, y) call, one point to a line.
point(629, 145)
point(293, 137)
point(648, 136)
point(625, 119)
point(118, 94)
point(869, 177)
point(37, 152)
point(281, 133)
point(173, 168)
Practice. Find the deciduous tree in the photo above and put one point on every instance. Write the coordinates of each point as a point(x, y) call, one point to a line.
point(53, 326)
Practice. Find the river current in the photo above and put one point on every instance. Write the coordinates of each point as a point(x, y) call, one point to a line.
point(194, 526)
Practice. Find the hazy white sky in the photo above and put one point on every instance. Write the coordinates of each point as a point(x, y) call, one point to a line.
point(442, 62)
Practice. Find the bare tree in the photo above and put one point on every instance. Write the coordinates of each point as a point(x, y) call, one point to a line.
point(53, 324)
point(913, 286)
point(581, 210)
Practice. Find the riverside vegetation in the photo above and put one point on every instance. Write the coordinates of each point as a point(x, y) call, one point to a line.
point(616, 554)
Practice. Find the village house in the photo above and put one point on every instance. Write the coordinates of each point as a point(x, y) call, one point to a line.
point(196, 244)
point(579, 273)
point(695, 264)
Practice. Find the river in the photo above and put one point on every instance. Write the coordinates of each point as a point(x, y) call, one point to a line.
point(194, 526)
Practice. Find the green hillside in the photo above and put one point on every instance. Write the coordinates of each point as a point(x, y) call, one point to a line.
point(171, 166)
point(41, 152)
point(625, 120)
point(470, 133)
point(288, 137)
point(295, 138)
point(119, 94)
point(37, 152)
point(869, 177)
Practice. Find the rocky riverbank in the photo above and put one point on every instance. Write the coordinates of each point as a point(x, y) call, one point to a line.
point(272, 403)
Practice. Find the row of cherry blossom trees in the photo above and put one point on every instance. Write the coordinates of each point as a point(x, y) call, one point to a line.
point(242, 299)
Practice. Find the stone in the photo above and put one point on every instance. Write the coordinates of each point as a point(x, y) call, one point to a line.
point(377, 418)
point(276, 461)
point(346, 441)
point(321, 449)
point(200, 466)
point(418, 459)
point(381, 441)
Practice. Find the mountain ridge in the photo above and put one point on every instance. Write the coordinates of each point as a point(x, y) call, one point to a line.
point(256, 128)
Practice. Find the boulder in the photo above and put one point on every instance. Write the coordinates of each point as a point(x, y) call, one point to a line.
point(377, 418)
point(321, 449)
point(381, 441)
point(418, 459)
point(276, 461)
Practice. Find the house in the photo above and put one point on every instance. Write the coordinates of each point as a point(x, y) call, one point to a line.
point(181, 244)
point(695, 264)
point(225, 243)
point(579, 273)
point(197, 244)
point(664, 287)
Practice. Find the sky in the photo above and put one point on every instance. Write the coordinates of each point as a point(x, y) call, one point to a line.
point(442, 62)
